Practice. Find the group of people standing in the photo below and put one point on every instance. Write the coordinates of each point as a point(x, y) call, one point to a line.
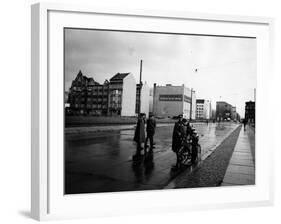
point(181, 134)
point(140, 138)
point(182, 130)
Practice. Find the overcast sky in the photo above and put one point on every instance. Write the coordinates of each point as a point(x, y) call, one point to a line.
point(217, 68)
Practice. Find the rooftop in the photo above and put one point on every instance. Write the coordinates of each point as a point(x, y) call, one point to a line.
point(119, 76)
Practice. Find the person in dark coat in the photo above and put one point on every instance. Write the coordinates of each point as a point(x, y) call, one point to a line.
point(178, 134)
point(244, 123)
point(139, 136)
point(150, 131)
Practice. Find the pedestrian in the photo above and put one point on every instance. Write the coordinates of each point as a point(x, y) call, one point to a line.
point(139, 136)
point(178, 134)
point(195, 139)
point(150, 131)
point(187, 133)
point(245, 123)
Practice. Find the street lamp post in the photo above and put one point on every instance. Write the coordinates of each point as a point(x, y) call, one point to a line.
point(140, 87)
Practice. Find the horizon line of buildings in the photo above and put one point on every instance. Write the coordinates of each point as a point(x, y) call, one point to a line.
point(120, 95)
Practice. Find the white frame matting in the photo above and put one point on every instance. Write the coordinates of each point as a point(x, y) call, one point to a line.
point(48, 200)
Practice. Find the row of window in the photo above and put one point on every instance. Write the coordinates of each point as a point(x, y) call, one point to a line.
point(96, 92)
point(90, 106)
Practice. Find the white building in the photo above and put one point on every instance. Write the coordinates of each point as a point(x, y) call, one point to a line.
point(123, 93)
point(203, 109)
point(144, 99)
point(170, 101)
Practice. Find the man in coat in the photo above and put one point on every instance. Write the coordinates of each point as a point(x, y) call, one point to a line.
point(178, 133)
point(139, 136)
point(150, 131)
point(244, 123)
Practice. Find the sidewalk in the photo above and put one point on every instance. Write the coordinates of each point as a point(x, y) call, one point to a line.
point(241, 168)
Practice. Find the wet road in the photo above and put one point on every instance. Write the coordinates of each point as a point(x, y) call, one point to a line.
point(102, 161)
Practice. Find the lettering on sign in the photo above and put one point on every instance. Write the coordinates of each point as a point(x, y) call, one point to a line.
point(176, 97)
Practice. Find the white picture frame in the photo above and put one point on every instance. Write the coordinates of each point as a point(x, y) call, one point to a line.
point(47, 200)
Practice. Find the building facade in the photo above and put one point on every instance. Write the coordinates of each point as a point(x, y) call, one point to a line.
point(250, 114)
point(114, 97)
point(203, 109)
point(223, 111)
point(234, 114)
point(170, 101)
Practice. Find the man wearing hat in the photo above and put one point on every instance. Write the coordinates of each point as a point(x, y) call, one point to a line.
point(150, 130)
point(139, 136)
point(178, 133)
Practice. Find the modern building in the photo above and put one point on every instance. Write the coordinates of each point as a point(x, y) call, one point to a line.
point(250, 111)
point(114, 97)
point(203, 109)
point(224, 111)
point(170, 101)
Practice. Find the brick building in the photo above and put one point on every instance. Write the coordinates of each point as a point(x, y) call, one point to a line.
point(117, 96)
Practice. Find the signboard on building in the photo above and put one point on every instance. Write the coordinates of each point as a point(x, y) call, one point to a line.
point(174, 97)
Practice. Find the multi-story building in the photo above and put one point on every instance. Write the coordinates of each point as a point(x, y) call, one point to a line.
point(170, 101)
point(87, 96)
point(234, 114)
point(114, 97)
point(250, 111)
point(203, 109)
point(223, 111)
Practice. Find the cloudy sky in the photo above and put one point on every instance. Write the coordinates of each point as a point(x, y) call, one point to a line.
point(218, 68)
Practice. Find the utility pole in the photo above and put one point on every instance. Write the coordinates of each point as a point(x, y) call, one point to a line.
point(140, 87)
point(190, 113)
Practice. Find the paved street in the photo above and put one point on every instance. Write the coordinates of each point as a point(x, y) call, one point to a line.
point(102, 161)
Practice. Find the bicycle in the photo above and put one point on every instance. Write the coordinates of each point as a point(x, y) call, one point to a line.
point(190, 150)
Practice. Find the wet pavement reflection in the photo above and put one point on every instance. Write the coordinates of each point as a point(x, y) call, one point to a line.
point(105, 162)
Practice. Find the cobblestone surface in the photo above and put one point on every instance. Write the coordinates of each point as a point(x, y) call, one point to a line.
point(211, 172)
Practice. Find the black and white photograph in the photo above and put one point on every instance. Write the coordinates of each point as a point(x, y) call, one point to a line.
point(155, 111)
